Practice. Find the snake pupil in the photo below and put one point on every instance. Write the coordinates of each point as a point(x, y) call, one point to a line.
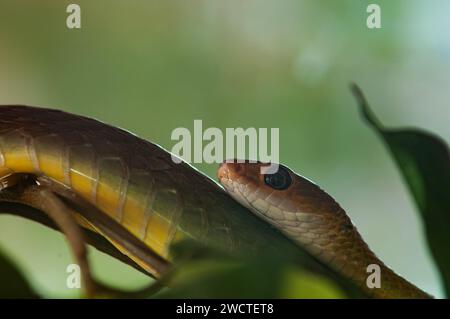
point(279, 180)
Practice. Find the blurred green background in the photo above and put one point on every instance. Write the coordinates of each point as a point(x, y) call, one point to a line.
point(152, 66)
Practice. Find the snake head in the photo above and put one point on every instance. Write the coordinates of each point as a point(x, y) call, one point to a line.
point(292, 204)
point(284, 198)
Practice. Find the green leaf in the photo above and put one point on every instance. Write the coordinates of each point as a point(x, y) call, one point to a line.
point(13, 283)
point(302, 284)
point(424, 160)
point(212, 274)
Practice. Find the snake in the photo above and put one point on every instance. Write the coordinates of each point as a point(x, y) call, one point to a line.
point(137, 184)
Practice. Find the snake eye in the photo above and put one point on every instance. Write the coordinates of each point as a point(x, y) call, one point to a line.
point(279, 180)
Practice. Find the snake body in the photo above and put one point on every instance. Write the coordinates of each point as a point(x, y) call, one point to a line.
point(311, 217)
point(137, 184)
point(131, 180)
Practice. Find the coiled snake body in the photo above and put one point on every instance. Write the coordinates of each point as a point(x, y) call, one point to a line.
point(136, 183)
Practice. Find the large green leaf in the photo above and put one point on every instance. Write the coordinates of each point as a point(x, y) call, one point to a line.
point(424, 160)
point(13, 283)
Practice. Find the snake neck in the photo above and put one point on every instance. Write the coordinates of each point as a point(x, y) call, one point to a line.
point(313, 219)
point(354, 260)
point(336, 242)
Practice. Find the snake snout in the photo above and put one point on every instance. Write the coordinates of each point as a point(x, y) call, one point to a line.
point(229, 169)
point(222, 172)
